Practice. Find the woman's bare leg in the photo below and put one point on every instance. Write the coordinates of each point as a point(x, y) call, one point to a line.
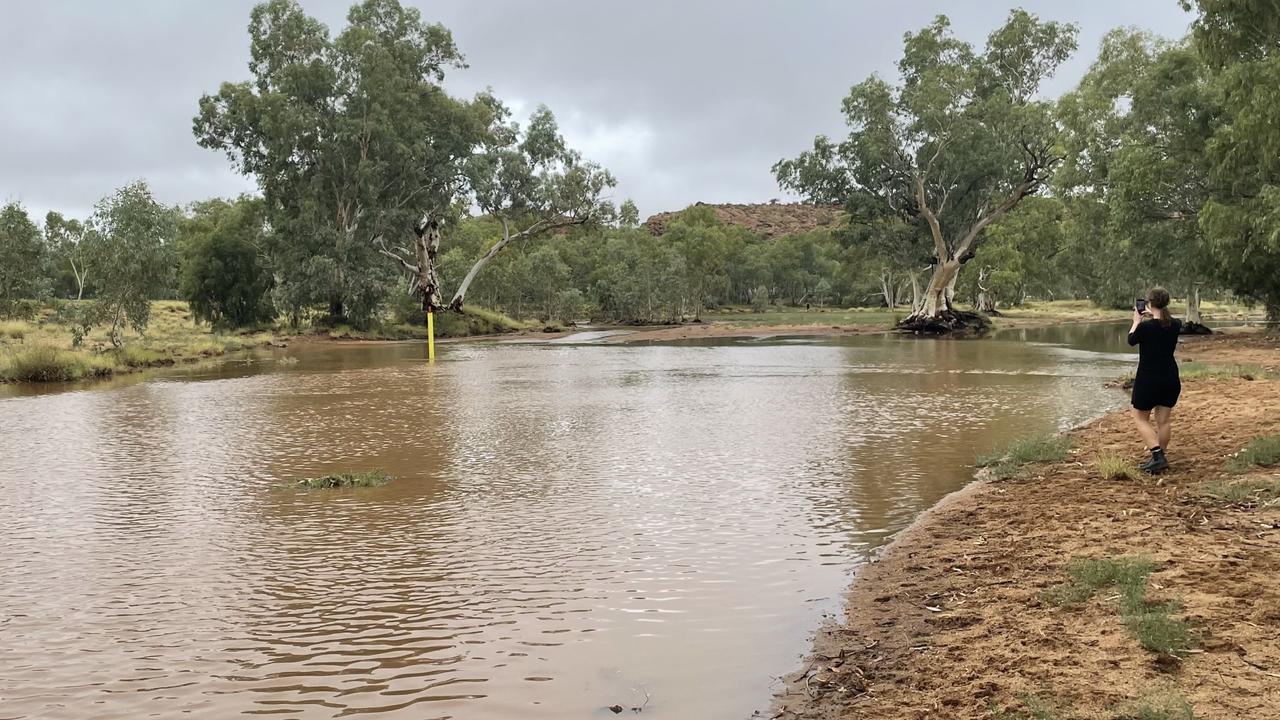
point(1143, 420)
point(1164, 425)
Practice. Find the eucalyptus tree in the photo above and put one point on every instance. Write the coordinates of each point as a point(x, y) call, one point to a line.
point(132, 248)
point(22, 252)
point(362, 156)
point(958, 143)
point(222, 276)
point(534, 185)
point(355, 145)
point(1240, 42)
point(69, 247)
point(1138, 125)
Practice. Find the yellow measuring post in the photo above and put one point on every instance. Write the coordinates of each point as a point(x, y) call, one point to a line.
point(431, 335)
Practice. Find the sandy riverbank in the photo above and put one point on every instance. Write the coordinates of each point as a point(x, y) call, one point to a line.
point(952, 620)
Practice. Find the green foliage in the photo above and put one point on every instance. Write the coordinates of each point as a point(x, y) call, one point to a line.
point(955, 146)
point(350, 138)
point(22, 253)
point(1152, 624)
point(222, 276)
point(70, 247)
point(1241, 220)
point(369, 478)
point(133, 253)
point(1260, 452)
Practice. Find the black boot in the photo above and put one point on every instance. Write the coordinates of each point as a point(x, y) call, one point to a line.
point(1157, 462)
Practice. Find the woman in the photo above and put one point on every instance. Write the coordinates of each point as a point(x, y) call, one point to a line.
point(1156, 386)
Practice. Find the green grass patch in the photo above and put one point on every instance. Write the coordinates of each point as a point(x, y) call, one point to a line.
point(1024, 451)
point(136, 356)
point(1153, 624)
point(1260, 452)
point(476, 321)
point(1157, 706)
point(1192, 370)
point(1115, 467)
point(46, 363)
point(1244, 494)
point(369, 478)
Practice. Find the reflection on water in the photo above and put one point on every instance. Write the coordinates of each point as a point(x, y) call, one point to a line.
point(571, 526)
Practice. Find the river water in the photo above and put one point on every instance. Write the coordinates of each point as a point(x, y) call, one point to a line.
point(571, 526)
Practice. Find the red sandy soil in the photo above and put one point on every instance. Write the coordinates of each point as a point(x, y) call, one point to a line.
point(949, 621)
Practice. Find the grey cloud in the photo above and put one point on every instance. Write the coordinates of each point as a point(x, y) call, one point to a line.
point(684, 101)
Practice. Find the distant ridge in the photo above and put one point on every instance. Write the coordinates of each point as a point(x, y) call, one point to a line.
point(768, 219)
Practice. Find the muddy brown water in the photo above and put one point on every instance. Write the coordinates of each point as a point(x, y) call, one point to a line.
point(571, 526)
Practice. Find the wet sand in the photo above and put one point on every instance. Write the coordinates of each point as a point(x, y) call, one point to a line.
point(948, 623)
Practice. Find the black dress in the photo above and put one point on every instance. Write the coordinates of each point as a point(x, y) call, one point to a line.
point(1157, 380)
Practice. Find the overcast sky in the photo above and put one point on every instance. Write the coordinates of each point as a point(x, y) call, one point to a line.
point(684, 100)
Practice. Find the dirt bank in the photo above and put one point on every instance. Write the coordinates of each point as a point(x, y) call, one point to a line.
point(952, 621)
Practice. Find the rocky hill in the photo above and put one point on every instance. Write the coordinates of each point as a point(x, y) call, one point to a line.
point(770, 220)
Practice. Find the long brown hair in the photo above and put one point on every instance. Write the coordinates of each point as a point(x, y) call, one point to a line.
point(1158, 298)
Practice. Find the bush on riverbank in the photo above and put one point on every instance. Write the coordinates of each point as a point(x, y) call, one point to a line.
point(369, 478)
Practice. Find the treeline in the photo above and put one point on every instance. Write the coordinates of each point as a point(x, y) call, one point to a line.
point(383, 197)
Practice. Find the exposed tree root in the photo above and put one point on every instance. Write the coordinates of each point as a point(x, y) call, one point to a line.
point(949, 322)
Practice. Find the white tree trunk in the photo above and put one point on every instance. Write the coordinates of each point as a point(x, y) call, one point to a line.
point(936, 299)
point(1193, 305)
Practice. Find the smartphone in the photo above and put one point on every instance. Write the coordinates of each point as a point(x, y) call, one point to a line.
point(1140, 305)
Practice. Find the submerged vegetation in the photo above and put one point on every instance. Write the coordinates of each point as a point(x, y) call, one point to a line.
point(369, 478)
point(1153, 624)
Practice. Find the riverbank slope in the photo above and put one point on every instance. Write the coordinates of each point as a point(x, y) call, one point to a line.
point(964, 616)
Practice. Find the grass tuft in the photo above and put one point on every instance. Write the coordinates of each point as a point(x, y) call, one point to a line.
point(1247, 494)
point(1114, 467)
point(1157, 706)
point(1024, 451)
point(135, 356)
point(1033, 707)
point(1153, 624)
point(14, 329)
point(1261, 452)
point(370, 478)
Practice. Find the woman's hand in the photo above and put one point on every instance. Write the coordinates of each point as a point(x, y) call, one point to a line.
point(1137, 319)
